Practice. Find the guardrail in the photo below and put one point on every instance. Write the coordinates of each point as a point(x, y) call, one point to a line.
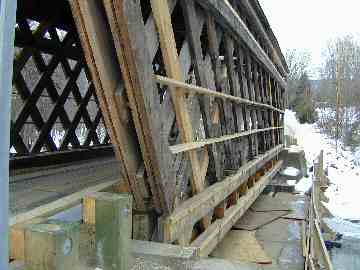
point(315, 252)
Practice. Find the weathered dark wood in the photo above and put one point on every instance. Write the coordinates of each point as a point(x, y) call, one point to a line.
point(251, 95)
point(246, 5)
point(138, 62)
point(172, 66)
point(194, 30)
point(59, 158)
point(188, 93)
point(101, 58)
point(228, 18)
point(26, 41)
point(214, 38)
point(231, 108)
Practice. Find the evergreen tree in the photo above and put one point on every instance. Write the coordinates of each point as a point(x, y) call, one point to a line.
point(303, 103)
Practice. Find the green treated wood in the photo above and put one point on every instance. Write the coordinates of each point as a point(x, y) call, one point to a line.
point(113, 223)
point(52, 245)
point(7, 33)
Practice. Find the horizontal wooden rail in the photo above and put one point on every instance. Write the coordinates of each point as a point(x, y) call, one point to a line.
point(317, 252)
point(193, 209)
point(60, 204)
point(207, 241)
point(227, 17)
point(323, 250)
point(205, 91)
point(179, 148)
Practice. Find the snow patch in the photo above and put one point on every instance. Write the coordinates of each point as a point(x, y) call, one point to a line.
point(290, 171)
point(342, 167)
point(304, 184)
point(344, 227)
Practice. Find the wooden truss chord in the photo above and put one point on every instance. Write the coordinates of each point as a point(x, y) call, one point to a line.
point(229, 19)
point(192, 210)
point(179, 148)
point(207, 241)
point(204, 91)
point(100, 55)
point(256, 21)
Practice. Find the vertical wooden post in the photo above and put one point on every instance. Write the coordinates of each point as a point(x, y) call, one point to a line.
point(7, 32)
point(113, 227)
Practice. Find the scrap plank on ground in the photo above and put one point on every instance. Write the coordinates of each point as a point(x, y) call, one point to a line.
point(254, 220)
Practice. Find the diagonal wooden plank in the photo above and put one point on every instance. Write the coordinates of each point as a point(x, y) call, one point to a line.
point(100, 55)
point(194, 29)
point(234, 91)
point(129, 34)
point(162, 17)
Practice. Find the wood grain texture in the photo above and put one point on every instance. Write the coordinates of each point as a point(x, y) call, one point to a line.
point(229, 19)
point(162, 17)
point(100, 55)
point(129, 33)
point(198, 206)
point(207, 241)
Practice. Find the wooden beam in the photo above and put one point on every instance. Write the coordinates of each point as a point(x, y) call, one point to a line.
point(129, 34)
point(52, 245)
point(100, 54)
point(198, 206)
point(254, 18)
point(59, 205)
point(194, 23)
point(161, 13)
point(184, 87)
point(179, 148)
point(228, 18)
point(7, 30)
point(17, 238)
point(113, 227)
point(207, 241)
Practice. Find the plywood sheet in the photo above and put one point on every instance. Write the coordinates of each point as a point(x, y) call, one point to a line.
point(241, 246)
point(254, 220)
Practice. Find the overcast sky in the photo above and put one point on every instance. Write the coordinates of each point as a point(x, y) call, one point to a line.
point(309, 24)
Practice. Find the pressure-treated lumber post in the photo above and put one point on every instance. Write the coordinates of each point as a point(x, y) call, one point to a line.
point(17, 238)
point(53, 245)
point(112, 214)
point(7, 32)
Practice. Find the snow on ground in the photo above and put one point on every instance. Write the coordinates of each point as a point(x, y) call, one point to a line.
point(290, 171)
point(343, 167)
point(344, 227)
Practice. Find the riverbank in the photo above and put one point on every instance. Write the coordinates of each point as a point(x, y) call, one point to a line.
point(342, 168)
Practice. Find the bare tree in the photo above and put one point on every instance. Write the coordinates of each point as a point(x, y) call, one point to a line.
point(298, 62)
point(340, 89)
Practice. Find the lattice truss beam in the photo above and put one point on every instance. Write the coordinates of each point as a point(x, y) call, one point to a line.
point(208, 55)
point(54, 105)
point(205, 98)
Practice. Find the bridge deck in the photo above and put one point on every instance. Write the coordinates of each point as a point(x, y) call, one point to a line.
point(31, 190)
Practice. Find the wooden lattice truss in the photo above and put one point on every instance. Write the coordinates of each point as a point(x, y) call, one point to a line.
point(206, 101)
point(52, 91)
